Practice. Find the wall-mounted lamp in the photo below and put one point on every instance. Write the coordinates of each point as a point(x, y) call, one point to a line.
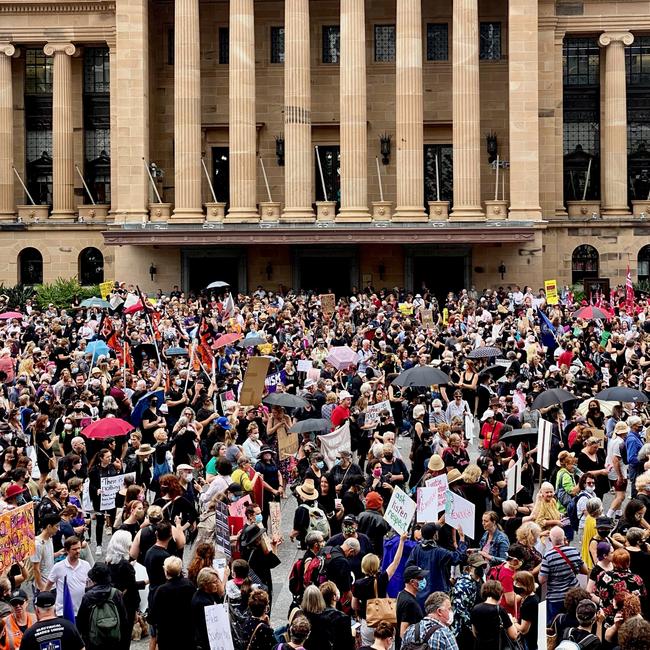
point(152, 271)
point(385, 148)
point(269, 271)
point(502, 270)
point(492, 146)
point(381, 269)
point(279, 150)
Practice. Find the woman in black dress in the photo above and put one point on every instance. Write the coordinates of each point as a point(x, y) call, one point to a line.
point(592, 460)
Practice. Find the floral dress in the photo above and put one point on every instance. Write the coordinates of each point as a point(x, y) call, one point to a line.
point(616, 583)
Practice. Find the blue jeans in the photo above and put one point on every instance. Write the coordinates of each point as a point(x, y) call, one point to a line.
point(553, 608)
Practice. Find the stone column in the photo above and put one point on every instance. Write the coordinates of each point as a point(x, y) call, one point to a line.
point(614, 127)
point(187, 112)
point(7, 209)
point(242, 134)
point(298, 153)
point(62, 132)
point(354, 130)
point(524, 109)
point(466, 113)
point(409, 112)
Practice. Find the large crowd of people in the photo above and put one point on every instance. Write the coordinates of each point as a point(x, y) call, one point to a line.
point(151, 390)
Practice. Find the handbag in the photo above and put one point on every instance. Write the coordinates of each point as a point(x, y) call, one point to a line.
point(551, 634)
point(505, 642)
point(380, 609)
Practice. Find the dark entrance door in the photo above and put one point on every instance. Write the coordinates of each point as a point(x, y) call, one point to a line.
point(200, 267)
point(221, 174)
point(440, 274)
point(332, 276)
point(330, 159)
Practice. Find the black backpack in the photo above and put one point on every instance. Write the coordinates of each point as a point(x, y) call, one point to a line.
point(421, 642)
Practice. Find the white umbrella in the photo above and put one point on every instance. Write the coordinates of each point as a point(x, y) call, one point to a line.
point(605, 407)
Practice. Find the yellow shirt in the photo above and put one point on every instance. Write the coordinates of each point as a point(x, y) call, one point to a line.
point(587, 535)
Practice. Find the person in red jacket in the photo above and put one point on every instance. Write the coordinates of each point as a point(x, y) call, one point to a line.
point(342, 412)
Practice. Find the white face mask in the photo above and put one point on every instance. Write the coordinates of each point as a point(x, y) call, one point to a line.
point(67, 426)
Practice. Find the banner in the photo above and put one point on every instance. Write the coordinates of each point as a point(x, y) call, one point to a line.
point(16, 536)
point(550, 288)
point(459, 513)
point(110, 487)
point(374, 410)
point(105, 288)
point(271, 382)
point(332, 443)
point(427, 505)
point(217, 625)
point(442, 485)
point(275, 520)
point(253, 386)
point(400, 511)
point(405, 308)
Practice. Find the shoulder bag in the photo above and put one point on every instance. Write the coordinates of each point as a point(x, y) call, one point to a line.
point(380, 609)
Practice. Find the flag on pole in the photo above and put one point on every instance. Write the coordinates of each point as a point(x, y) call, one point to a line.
point(547, 330)
point(629, 289)
point(68, 605)
point(229, 306)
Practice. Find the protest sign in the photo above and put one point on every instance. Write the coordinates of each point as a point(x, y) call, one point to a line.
point(513, 478)
point(304, 365)
point(470, 427)
point(287, 443)
point(544, 436)
point(217, 625)
point(105, 288)
point(275, 520)
point(373, 411)
point(427, 318)
point(313, 373)
point(238, 509)
point(459, 513)
point(253, 386)
point(550, 288)
point(227, 396)
point(271, 382)
point(335, 442)
point(442, 485)
point(16, 536)
point(405, 308)
point(427, 504)
point(110, 486)
point(328, 303)
point(400, 511)
point(221, 528)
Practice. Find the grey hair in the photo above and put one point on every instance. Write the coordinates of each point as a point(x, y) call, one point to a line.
point(312, 601)
point(634, 536)
point(644, 453)
point(435, 601)
point(353, 544)
point(205, 577)
point(593, 506)
point(118, 547)
point(313, 537)
point(509, 508)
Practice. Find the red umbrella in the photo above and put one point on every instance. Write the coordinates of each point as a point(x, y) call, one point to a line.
point(226, 339)
point(107, 428)
point(10, 314)
point(592, 313)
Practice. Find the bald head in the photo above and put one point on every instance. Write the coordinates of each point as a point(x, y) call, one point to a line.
point(557, 536)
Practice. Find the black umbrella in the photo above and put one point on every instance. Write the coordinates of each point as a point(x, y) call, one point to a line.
point(286, 400)
point(421, 376)
point(485, 352)
point(531, 432)
point(311, 425)
point(552, 397)
point(142, 351)
point(621, 394)
point(496, 371)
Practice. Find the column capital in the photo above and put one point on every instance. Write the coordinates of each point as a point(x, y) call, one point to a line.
point(8, 49)
point(59, 48)
point(607, 38)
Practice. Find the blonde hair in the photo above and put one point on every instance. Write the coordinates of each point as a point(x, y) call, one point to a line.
point(370, 564)
point(528, 533)
point(471, 474)
point(643, 481)
point(173, 566)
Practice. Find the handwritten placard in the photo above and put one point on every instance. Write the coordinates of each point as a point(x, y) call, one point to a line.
point(110, 486)
point(287, 443)
point(238, 509)
point(400, 511)
point(441, 484)
point(217, 624)
point(427, 504)
point(221, 529)
point(304, 365)
point(328, 303)
point(275, 520)
point(459, 513)
point(374, 411)
point(16, 536)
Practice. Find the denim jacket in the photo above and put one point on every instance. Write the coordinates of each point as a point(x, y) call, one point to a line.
point(498, 547)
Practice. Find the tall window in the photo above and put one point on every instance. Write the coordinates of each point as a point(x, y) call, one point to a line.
point(643, 264)
point(581, 81)
point(584, 263)
point(437, 42)
point(331, 43)
point(30, 266)
point(97, 123)
point(224, 45)
point(91, 266)
point(384, 43)
point(490, 41)
point(38, 125)
point(277, 44)
point(637, 63)
point(442, 173)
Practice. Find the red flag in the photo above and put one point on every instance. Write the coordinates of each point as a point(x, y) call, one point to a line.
point(629, 288)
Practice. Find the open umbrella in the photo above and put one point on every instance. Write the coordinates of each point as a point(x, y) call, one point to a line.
point(530, 432)
point(496, 371)
point(421, 376)
point(143, 351)
point(592, 313)
point(342, 357)
point(286, 400)
point(97, 348)
point(107, 428)
point(143, 404)
point(485, 352)
point(176, 352)
point(605, 406)
point(10, 314)
point(312, 425)
point(621, 394)
point(552, 397)
point(217, 284)
point(95, 302)
point(226, 339)
point(251, 341)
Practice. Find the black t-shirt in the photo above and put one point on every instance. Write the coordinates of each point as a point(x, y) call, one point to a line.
point(408, 611)
point(528, 612)
point(364, 589)
point(578, 635)
point(56, 633)
point(153, 562)
point(485, 619)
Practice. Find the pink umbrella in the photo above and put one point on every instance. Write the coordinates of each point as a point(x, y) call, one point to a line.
point(10, 314)
point(342, 357)
point(226, 339)
point(107, 428)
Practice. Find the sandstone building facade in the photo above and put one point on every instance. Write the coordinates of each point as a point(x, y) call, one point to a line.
point(325, 144)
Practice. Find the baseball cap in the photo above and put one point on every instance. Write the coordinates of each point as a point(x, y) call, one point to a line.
point(350, 519)
point(476, 560)
point(586, 611)
point(45, 599)
point(344, 395)
point(17, 596)
point(224, 423)
point(414, 573)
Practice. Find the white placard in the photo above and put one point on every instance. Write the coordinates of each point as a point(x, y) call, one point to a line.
point(110, 486)
point(335, 442)
point(544, 436)
point(459, 513)
point(304, 365)
point(541, 625)
point(513, 477)
point(400, 511)
point(469, 427)
point(217, 624)
point(427, 504)
point(374, 410)
point(442, 485)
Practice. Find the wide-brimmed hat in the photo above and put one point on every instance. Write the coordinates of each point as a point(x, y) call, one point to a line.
point(144, 450)
point(13, 491)
point(621, 429)
point(435, 463)
point(267, 450)
point(308, 490)
point(250, 534)
point(453, 475)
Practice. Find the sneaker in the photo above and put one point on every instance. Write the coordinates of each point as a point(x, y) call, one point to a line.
point(98, 551)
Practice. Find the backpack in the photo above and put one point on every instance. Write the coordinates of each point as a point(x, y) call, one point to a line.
point(588, 641)
point(564, 497)
point(317, 521)
point(160, 469)
point(104, 623)
point(572, 509)
point(495, 572)
point(420, 642)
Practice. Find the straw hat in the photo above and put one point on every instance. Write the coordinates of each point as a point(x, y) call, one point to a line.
point(307, 490)
point(144, 450)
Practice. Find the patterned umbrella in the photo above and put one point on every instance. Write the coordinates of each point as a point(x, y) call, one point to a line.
point(342, 357)
point(485, 352)
point(592, 313)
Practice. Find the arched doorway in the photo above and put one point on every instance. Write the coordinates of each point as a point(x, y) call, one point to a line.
point(30, 266)
point(91, 266)
point(584, 263)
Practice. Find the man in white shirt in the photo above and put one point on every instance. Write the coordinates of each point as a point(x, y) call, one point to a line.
point(43, 558)
point(74, 570)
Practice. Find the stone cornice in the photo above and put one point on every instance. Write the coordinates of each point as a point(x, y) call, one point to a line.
point(55, 6)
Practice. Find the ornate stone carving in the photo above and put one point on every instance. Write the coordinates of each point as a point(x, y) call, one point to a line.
point(626, 38)
point(51, 49)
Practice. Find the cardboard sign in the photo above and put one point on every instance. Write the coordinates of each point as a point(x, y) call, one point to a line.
point(374, 410)
point(427, 504)
point(427, 318)
point(253, 386)
point(238, 509)
point(110, 486)
point(275, 520)
point(442, 485)
point(105, 288)
point(459, 513)
point(544, 436)
point(328, 303)
point(16, 536)
point(333, 443)
point(304, 365)
point(550, 287)
point(400, 511)
point(287, 443)
point(217, 624)
point(513, 478)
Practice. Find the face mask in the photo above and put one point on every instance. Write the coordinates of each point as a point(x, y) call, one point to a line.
point(376, 473)
point(67, 427)
point(179, 382)
point(437, 409)
point(520, 591)
point(47, 424)
point(422, 584)
point(348, 530)
point(590, 490)
point(8, 436)
point(320, 464)
point(189, 476)
point(337, 461)
point(388, 456)
point(450, 618)
point(258, 519)
point(255, 437)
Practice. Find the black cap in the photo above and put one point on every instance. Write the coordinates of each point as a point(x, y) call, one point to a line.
point(18, 596)
point(45, 599)
point(604, 522)
point(350, 519)
point(414, 573)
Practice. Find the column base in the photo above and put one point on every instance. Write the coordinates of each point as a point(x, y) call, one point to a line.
point(298, 215)
point(438, 210)
point(270, 211)
point(638, 208)
point(410, 213)
point(160, 212)
point(62, 215)
point(242, 215)
point(187, 215)
point(7, 215)
point(615, 212)
point(215, 212)
point(354, 215)
point(325, 210)
point(467, 213)
point(382, 210)
point(496, 210)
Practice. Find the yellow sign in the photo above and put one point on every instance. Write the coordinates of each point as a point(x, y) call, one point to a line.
point(550, 287)
point(105, 288)
point(406, 308)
